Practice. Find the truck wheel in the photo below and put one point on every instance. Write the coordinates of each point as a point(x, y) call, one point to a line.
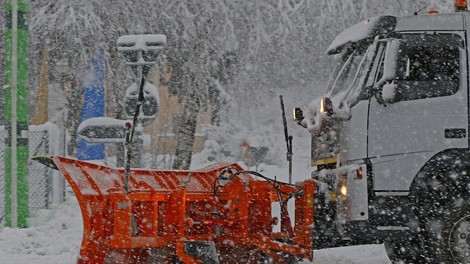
point(452, 240)
point(444, 228)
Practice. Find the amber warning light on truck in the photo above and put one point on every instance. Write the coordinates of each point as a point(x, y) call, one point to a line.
point(461, 5)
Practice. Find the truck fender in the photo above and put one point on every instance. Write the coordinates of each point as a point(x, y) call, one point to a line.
point(443, 163)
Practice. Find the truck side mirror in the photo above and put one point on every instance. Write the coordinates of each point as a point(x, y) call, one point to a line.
point(389, 92)
point(390, 62)
point(384, 86)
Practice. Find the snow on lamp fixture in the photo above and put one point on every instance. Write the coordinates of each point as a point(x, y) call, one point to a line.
point(141, 50)
point(149, 45)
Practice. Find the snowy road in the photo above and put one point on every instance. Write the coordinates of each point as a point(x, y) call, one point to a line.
point(55, 238)
point(55, 235)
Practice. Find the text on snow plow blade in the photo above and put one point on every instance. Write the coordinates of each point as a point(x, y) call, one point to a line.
point(219, 213)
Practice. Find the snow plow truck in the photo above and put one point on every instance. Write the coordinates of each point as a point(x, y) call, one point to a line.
point(390, 149)
point(390, 138)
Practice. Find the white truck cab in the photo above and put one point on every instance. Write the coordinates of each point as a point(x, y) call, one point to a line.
point(390, 139)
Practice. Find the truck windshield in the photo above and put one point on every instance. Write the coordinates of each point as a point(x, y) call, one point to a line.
point(346, 69)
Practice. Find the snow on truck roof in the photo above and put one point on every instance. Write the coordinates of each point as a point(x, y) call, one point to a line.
point(368, 28)
point(371, 27)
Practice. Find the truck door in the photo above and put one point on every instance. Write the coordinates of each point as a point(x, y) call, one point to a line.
point(428, 112)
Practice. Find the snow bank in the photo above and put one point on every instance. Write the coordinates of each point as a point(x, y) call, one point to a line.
point(54, 237)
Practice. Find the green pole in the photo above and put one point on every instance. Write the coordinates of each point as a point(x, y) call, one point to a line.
point(16, 113)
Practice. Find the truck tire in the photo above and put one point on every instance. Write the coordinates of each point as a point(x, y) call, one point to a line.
point(448, 238)
point(443, 213)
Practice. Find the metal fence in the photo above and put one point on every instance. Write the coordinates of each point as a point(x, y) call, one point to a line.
point(45, 186)
point(39, 180)
point(3, 136)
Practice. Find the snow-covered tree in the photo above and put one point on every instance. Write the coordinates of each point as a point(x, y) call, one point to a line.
point(74, 31)
point(198, 54)
point(229, 55)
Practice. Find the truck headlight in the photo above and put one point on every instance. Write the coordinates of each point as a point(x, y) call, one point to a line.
point(343, 189)
point(342, 186)
point(297, 114)
point(326, 106)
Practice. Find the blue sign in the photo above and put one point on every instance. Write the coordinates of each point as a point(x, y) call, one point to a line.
point(93, 106)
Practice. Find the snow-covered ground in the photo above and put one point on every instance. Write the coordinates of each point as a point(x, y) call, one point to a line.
point(55, 235)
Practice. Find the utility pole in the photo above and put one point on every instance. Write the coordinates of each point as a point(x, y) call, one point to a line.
point(16, 114)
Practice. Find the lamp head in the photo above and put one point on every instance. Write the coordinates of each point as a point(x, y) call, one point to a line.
point(141, 49)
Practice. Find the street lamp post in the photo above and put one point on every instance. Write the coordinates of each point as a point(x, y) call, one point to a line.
point(140, 52)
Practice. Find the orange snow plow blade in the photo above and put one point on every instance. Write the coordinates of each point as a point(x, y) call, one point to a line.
point(218, 214)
